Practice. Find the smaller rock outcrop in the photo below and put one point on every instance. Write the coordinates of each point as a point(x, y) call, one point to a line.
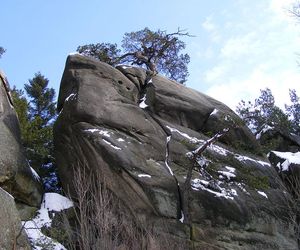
point(279, 140)
point(16, 176)
point(12, 236)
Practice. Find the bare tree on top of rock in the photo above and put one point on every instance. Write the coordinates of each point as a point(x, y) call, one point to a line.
point(157, 51)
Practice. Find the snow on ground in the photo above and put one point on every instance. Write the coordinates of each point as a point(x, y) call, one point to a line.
point(52, 202)
point(125, 67)
point(227, 118)
point(182, 217)
point(167, 156)
point(218, 149)
point(246, 158)
point(191, 139)
point(73, 53)
point(202, 161)
point(198, 184)
point(242, 187)
point(215, 111)
point(143, 104)
point(233, 192)
point(227, 174)
point(289, 159)
point(110, 144)
point(264, 130)
point(263, 194)
point(70, 97)
point(230, 169)
point(100, 131)
point(104, 133)
point(144, 175)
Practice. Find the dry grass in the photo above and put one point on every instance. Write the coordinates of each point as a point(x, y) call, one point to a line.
point(102, 222)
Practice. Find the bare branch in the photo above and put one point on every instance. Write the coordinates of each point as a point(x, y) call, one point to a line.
point(195, 154)
point(203, 147)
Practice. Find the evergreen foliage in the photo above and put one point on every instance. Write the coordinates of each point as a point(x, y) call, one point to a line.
point(42, 99)
point(293, 111)
point(36, 123)
point(264, 113)
point(157, 51)
point(105, 52)
point(21, 106)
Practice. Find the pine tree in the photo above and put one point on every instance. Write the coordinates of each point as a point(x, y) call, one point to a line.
point(42, 102)
point(157, 51)
point(293, 111)
point(37, 132)
point(263, 113)
point(21, 106)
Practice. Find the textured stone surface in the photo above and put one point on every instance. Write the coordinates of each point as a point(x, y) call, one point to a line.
point(141, 151)
point(11, 234)
point(15, 174)
point(282, 141)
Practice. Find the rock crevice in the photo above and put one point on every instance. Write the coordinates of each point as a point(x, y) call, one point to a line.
point(142, 151)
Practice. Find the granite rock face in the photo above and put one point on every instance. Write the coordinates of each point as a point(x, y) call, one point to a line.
point(12, 236)
point(16, 177)
point(139, 136)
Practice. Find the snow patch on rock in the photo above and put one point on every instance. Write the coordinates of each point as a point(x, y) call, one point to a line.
point(52, 202)
point(144, 176)
point(290, 158)
point(191, 139)
point(143, 104)
point(262, 194)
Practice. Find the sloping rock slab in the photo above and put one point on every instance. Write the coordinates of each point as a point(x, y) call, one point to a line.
point(16, 177)
point(139, 137)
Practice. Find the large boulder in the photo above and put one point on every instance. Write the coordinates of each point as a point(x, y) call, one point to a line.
point(139, 135)
point(12, 235)
point(16, 176)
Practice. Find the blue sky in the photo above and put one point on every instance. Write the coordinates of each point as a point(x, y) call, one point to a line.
point(239, 46)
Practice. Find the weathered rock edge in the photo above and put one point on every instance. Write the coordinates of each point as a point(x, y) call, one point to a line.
point(16, 177)
point(141, 153)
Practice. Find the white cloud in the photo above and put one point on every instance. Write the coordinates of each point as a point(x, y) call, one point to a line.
point(259, 52)
point(241, 46)
point(216, 73)
point(210, 26)
point(235, 90)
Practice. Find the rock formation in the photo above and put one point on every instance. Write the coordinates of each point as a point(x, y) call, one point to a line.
point(16, 177)
point(139, 136)
point(11, 234)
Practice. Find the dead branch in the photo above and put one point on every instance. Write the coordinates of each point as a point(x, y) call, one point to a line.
point(196, 153)
point(187, 184)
